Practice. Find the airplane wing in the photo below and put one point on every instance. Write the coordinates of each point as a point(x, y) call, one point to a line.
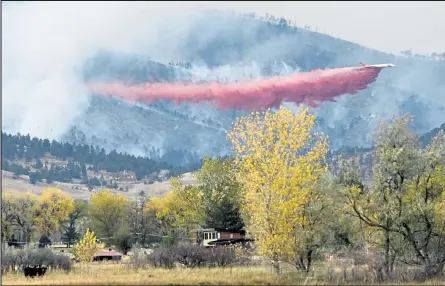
point(380, 66)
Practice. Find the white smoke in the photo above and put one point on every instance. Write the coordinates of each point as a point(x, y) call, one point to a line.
point(45, 44)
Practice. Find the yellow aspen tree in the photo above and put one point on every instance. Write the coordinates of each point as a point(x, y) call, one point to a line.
point(86, 248)
point(108, 212)
point(53, 207)
point(278, 159)
point(181, 208)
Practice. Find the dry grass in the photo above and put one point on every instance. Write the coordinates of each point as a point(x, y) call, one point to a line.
point(77, 191)
point(108, 274)
point(121, 274)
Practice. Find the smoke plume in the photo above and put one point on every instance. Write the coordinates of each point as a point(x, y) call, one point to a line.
point(47, 48)
point(308, 88)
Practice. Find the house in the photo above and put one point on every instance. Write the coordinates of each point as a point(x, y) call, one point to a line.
point(125, 175)
point(108, 255)
point(162, 175)
point(208, 237)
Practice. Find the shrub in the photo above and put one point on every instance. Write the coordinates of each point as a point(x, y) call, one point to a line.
point(191, 256)
point(161, 257)
point(138, 259)
point(124, 241)
point(14, 260)
point(221, 257)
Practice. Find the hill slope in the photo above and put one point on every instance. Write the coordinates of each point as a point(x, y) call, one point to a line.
point(62, 168)
point(224, 46)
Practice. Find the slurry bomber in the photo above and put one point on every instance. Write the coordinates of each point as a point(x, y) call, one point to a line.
point(308, 88)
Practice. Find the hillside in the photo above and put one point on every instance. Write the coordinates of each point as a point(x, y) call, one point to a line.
point(32, 164)
point(78, 191)
point(244, 47)
point(176, 137)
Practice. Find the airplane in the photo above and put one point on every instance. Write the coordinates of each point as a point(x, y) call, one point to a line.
point(377, 66)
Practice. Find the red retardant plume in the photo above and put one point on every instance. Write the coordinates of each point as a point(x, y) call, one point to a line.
point(308, 88)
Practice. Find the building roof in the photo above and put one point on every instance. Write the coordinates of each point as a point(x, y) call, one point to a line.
point(229, 241)
point(217, 229)
point(202, 229)
point(103, 253)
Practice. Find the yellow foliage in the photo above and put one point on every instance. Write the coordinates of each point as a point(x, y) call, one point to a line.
point(161, 207)
point(108, 210)
point(13, 195)
point(53, 207)
point(278, 160)
point(182, 207)
point(86, 248)
point(439, 208)
point(217, 182)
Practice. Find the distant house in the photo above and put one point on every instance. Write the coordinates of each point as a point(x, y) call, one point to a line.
point(125, 175)
point(108, 255)
point(217, 237)
point(163, 174)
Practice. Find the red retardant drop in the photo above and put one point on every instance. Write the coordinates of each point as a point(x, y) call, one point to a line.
point(308, 88)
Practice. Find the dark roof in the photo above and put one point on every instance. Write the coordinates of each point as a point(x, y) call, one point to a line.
point(107, 253)
point(229, 241)
point(218, 230)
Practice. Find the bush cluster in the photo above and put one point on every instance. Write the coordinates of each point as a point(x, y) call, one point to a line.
point(371, 275)
point(17, 260)
point(189, 256)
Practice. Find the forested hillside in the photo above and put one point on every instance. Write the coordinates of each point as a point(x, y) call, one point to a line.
point(243, 47)
point(24, 155)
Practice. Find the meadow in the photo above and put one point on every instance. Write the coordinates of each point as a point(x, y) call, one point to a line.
point(126, 274)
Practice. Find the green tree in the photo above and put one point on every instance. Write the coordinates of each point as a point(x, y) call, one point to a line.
point(320, 223)
point(222, 194)
point(124, 240)
point(69, 227)
point(108, 212)
point(143, 224)
point(35, 177)
point(224, 215)
point(18, 212)
point(39, 164)
point(400, 209)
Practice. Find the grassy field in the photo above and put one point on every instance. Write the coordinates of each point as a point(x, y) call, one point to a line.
point(121, 274)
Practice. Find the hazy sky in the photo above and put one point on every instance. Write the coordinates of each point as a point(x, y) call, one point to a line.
point(388, 26)
point(384, 25)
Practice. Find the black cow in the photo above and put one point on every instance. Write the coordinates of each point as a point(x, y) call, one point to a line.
point(34, 271)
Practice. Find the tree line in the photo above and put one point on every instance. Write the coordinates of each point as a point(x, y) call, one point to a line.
point(297, 210)
point(211, 203)
point(278, 188)
point(33, 151)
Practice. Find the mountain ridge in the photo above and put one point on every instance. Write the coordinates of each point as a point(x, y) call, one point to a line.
point(229, 47)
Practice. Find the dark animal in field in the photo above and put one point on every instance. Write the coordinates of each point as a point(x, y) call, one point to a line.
point(34, 271)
